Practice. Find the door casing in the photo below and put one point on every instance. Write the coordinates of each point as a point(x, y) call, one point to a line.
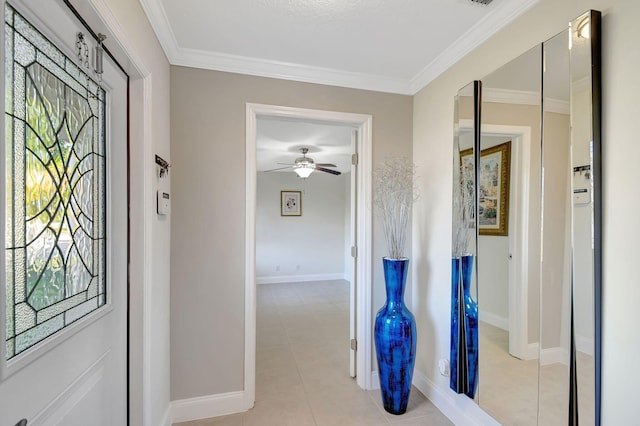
point(364, 124)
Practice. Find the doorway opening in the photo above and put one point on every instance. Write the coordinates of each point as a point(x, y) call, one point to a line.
point(360, 239)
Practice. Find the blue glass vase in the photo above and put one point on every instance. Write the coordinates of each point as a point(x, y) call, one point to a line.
point(395, 339)
point(464, 329)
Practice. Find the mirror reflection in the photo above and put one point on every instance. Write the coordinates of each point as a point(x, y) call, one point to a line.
point(508, 241)
point(464, 309)
point(533, 165)
point(555, 271)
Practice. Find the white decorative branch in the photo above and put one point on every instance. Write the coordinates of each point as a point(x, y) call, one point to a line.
point(394, 196)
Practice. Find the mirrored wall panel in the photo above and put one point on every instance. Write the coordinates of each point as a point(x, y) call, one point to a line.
point(464, 311)
point(508, 241)
point(532, 139)
point(555, 291)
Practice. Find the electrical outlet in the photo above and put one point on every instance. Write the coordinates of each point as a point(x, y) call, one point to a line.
point(443, 366)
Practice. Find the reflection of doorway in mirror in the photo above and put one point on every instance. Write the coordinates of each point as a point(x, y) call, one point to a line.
point(508, 328)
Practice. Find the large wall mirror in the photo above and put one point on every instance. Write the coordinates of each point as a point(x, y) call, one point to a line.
point(527, 159)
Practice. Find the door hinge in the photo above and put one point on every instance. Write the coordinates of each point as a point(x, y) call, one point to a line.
point(354, 345)
point(354, 251)
point(354, 159)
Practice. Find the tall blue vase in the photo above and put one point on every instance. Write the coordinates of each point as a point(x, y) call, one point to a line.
point(395, 339)
point(464, 328)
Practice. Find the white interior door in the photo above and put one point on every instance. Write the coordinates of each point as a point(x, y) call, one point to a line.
point(77, 372)
point(354, 259)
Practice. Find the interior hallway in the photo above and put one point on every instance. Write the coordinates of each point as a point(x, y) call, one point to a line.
point(302, 365)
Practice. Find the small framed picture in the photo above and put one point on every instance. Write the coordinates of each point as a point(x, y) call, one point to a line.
point(290, 203)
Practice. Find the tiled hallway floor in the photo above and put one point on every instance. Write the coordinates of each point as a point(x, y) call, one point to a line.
point(302, 365)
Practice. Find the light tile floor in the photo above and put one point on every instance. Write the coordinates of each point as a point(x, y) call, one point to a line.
point(302, 365)
point(508, 388)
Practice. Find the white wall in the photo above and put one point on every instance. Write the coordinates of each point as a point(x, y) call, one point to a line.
point(300, 248)
point(433, 131)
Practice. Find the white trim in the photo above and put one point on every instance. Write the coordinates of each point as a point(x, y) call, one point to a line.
point(374, 380)
point(460, 409)
point(204, 407)
point(521, 97)
point(518, 232)
point(489, 25)
point(250, 257)
point(289, 71)
point(493, 319)
point(364, 226)
point(72, 396)
point(585, 344)
point(554, 356)
point(147, 188)
point(299, 278)
point(137, 70)
point(166, 418)
point(507, 96)
point(518, 235)
point(474, 37)
point(557, 106)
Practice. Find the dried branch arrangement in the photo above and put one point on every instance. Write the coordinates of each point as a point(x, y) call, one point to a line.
point(394, 196)
point(463, 210)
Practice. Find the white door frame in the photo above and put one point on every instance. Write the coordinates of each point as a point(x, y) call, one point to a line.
point(98, 14)
point(519, 345)
point(518, 238)
point(364, 240)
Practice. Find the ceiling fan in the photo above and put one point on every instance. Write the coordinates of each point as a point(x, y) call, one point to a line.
point(304, 166)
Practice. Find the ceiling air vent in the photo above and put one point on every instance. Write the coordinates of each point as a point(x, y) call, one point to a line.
point(481, 1)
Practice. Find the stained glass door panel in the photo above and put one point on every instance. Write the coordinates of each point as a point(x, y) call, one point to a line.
point(55, 116)
point(63, 358)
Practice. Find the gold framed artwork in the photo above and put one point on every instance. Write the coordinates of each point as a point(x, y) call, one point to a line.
point(493, 196)
point(290, 203)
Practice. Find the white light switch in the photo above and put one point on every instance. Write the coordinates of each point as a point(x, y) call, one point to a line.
point(164, 203)
point(581, 196)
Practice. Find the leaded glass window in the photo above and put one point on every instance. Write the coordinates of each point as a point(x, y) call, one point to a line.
point(55, 188)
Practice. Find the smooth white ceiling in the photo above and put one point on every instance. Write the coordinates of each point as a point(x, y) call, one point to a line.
point(377, 45)
point(278, 140)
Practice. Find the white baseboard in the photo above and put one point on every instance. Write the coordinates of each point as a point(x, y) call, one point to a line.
point(584, 344)
point(554, 356)
point(166, 419)
point(299, 278)
point(375, 381)
point(459, 409)
point(203, 407)
point(494, 320)
point(533, 351)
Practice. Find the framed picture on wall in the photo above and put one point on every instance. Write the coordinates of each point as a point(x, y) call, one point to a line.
point(290, 203)
point(493, 198)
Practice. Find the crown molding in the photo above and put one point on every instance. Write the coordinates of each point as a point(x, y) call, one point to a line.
point(519, 97)
point(485, 28)
point(289, 71)
point(474, 37)
point(162, 27)
point(506, 96)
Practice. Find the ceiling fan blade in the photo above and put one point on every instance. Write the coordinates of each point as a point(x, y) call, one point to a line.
point(333, 172)
point(279, 168)
point(326, 165)
point(285, 164)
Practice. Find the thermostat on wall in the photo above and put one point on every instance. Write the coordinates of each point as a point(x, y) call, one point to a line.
point(164, 203)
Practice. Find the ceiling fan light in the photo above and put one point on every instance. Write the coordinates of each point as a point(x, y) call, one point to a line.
point(304, 170)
